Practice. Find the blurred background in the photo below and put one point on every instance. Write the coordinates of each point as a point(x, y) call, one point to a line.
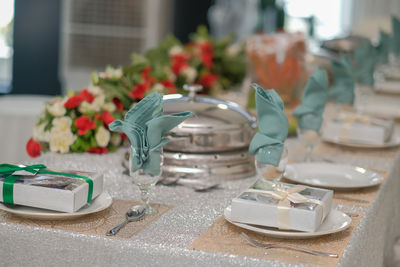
point(50, 46)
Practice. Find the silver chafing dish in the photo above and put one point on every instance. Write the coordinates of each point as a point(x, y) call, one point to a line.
point(212, 144)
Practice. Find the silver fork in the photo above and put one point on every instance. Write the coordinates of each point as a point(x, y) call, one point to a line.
point(305, 250)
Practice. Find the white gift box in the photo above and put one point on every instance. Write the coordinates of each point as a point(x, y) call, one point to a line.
point(54, 192)
point(364, 129)
point(263, 209)
point(389, 86)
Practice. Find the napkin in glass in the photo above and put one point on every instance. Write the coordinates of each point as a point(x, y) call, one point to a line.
point(145, 125)
point(365, 63)
point(395, 47)
point(315, 94)
point(273, 126)
point(342, 90)
point(382, 55)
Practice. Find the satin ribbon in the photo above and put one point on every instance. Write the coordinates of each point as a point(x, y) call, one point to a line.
point(348, 119)
point(8, 183)
point(285, 196)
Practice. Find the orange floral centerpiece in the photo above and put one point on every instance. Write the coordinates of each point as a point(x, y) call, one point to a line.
point(277, 61)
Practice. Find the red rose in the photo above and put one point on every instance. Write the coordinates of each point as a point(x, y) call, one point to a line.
point(118, 104)
point(146, 77)
point(139, 90)
point(97, 150)
point(105, 117)
point(170, 85)
point(208, 79)
point(73, 101)
point(33, 148)
point(84, 124)
point(206, 54)
point(86, 96)
point(179, 62)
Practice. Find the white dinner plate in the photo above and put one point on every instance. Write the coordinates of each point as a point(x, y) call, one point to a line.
point(330, 175)
point(393, 142)
point(336, 221)
point(102, 202)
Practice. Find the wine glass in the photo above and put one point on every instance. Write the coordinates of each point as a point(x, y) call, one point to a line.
point(364, 95)
point(145, 182)
point(269, 174)
point(309, 139)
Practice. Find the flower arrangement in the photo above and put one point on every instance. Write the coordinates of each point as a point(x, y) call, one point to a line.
point(79, 122)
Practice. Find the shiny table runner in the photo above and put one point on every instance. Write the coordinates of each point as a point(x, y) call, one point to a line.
point(224, 237)
point(94, 224)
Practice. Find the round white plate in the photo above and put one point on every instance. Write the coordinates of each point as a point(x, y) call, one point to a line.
point(102, 202)
point(393, 142)
point(331, 175)
point(336, 221)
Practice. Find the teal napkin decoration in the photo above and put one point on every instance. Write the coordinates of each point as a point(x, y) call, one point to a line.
point(315, 94)
point(365, 63)
point(273, 127)
point(342, 90)
point(145, 125)
point(382, 55)
point(395, 47)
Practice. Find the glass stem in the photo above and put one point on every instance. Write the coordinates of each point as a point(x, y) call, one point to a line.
point(144, 194)
point(308, 154)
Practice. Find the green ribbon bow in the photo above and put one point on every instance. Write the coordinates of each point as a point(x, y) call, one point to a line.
point(8, 183)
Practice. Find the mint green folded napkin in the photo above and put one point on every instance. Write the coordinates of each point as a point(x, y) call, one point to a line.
point(342, 90)
point(382, 51)
point(395, 47)
point(273, 127)
point(145, 125)
point(365, 63)
point(315, 94)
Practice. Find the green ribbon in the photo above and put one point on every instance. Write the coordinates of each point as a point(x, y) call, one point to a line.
point(8, 183)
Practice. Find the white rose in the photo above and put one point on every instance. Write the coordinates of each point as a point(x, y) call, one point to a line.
point(39, 134)
point(190, 74)
point(102, 136)
point(86, 107)
point(175, 50)
point(61, 124)
point(60, 141)
point(56, 109)
point(111, 73)
point(170, 74)
point(95, 90)
point(116, 139)
point(110, 107)
point(233, 50)
point(158, 87)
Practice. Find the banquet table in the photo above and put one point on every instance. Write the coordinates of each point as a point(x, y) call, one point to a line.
point(166, 241)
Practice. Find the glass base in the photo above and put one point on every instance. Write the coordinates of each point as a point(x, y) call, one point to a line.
point(150, 211)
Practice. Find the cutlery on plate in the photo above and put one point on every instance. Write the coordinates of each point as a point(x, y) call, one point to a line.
point(350, 214)
point(132, 215)
point(352, 199)
point(305, 250)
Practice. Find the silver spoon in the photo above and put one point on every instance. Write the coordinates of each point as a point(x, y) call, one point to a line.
point(132, 215)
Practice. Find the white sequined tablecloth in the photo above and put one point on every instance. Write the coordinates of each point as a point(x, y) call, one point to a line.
point(165, 242)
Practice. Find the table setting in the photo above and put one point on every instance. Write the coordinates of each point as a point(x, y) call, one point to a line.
point(191, 179)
